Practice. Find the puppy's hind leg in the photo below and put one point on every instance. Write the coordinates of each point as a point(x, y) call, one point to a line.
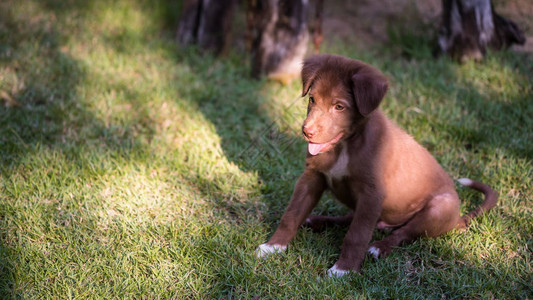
point(319, 223)
point(439, 216)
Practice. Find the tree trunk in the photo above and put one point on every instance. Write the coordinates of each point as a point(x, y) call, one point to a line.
point(470, 27)
point(206, 23)
point(280, 38)
point(317, 28)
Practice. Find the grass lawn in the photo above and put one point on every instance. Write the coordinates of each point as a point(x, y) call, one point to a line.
point(132, 168)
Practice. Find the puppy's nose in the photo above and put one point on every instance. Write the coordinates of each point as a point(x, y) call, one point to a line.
point(308, 132)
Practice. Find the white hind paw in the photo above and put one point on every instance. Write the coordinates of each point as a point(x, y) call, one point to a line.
point(374, 252)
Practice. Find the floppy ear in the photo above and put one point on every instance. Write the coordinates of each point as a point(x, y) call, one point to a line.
point(310, 70)
point(368, 90)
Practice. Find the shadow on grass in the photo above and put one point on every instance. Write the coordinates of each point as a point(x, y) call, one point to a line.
point(43, 92)
point(251, 138)
point(43, 79)
point(504, 116)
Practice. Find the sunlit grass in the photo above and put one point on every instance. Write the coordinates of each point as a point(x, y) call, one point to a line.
point(132, 168)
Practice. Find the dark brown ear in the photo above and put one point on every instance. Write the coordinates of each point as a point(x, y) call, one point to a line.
point(368, 90)
point(310, 70)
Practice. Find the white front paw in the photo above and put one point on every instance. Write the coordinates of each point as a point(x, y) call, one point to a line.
point(265, 249)
point(336, 272)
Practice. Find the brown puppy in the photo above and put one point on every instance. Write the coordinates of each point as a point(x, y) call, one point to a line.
point(372, 166)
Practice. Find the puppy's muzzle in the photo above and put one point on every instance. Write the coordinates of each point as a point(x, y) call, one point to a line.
point(308, 132)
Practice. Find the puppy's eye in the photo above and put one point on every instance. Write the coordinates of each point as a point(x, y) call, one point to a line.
point(311, 100)
point(339, 107)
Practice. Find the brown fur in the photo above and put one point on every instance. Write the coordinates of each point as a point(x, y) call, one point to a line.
point(376, 169)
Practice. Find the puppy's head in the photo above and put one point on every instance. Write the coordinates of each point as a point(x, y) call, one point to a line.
point(342, 93)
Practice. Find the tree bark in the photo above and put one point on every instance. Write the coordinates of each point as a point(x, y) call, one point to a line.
point(280, 38)
point(470, 27)
point(206, 23)
point(317, 28)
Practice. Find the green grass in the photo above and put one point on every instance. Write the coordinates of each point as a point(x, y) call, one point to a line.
point(132, 168)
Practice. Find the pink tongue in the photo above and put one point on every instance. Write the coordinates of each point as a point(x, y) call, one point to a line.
point(314, 149)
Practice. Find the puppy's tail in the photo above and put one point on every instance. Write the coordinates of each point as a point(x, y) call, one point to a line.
point(491, 198)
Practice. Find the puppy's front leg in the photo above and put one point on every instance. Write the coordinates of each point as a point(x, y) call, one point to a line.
point(367, 212)
point(307, 192)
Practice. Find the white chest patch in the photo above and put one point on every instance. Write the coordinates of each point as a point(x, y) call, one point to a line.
point(340, 168)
